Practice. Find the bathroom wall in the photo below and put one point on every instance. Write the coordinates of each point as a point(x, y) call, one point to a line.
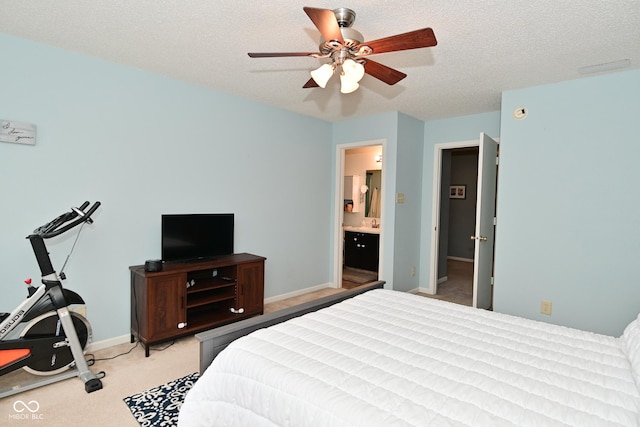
point(356, 162)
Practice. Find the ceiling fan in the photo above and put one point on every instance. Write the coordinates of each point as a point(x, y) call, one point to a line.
point(347, 50)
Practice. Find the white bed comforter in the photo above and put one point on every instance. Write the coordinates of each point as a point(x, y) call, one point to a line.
point(387, 358)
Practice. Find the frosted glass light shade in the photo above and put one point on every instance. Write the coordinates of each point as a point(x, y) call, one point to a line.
point(353, 70)
point(322, 74)
point(347, 85)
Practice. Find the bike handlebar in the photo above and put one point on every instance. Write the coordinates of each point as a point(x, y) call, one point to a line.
point(62, 223)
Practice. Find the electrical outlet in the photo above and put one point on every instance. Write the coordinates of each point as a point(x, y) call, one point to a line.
point(545, 307)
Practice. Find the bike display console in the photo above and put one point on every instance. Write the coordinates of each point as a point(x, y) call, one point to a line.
point(185, 298)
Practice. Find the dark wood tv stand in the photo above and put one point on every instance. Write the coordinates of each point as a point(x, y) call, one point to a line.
point(185, 298)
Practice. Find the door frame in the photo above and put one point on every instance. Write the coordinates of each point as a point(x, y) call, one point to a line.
point(435, 206)
point(338, 241)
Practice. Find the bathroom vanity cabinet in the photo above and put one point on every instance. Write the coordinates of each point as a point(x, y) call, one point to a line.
point(361, 250)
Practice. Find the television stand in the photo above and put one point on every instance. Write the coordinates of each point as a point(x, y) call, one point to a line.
point(198, 260)
point(189, 297)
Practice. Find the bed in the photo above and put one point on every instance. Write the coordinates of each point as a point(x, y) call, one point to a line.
point(388, 358)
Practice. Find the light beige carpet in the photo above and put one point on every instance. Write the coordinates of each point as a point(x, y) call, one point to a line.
point(67, 404)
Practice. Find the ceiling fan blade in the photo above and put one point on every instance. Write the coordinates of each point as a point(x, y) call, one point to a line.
point(412, 40)
point(279, 54)
point(326, 22)
point(382, 72)
point(311, 83)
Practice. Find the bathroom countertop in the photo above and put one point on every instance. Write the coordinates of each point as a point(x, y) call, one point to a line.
point(369, 230)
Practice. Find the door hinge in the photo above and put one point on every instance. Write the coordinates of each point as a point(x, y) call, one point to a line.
point(497, 160)
point(491, 280)
point(495, 221)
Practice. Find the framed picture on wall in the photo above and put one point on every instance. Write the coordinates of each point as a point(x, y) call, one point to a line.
point(458, 192)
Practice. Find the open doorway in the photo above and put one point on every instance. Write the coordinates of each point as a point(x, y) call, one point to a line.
point(459, 182)
point(361, 220)
point(464, 221)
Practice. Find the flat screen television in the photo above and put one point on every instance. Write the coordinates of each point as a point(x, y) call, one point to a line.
point(193, 237)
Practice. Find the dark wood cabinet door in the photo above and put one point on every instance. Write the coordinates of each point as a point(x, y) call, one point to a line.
point(361, 250)
point(166, 305)
point(251, 287)
point(351, 253)
point(369, 246)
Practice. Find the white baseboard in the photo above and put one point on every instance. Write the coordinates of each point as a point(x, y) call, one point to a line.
point(421, 290)
point(109, 342)
point(456, 258)
point(298, 292)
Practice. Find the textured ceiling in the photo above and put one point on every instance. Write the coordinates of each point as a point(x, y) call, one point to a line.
point(484, 48)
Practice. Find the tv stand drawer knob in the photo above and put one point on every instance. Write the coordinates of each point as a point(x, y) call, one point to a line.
point(238, 311)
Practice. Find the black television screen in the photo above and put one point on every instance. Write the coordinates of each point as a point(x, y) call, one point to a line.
point(190, 237)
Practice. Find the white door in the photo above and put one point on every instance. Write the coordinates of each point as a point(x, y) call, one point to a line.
point(485, 213)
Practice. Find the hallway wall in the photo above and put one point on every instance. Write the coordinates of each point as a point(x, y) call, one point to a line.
point(462, 212)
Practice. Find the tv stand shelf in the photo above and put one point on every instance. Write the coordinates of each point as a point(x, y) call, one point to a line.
point(185, 298)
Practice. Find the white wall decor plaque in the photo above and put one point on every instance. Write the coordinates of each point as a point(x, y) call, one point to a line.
point(16, 132)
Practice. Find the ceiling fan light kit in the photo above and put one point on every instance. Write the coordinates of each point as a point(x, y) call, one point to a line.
point(354, 70)
point(347, 85)
point(345, 46)
point(323, 74)
point(351, 73)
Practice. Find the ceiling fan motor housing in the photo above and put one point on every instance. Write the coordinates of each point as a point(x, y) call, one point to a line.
point(352, 38)
point(345, 17)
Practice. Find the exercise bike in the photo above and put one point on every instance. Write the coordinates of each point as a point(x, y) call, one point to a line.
point(42, 335)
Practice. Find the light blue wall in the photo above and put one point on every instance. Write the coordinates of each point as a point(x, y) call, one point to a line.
point(381, 127)
point(146, 145)
point(402, 169)
point(407, 220)
point(568, 204)
point(464, 128)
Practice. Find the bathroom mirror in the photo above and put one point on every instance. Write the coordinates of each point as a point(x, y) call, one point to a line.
point(372, 197)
